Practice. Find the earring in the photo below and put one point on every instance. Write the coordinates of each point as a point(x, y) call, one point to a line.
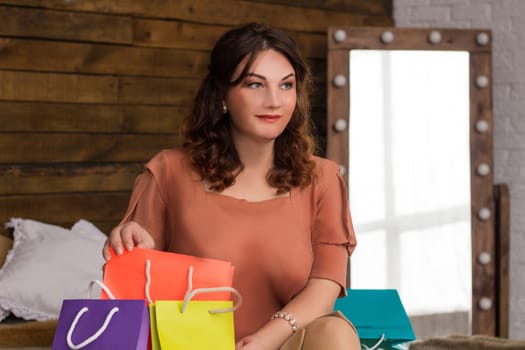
point(224, 109)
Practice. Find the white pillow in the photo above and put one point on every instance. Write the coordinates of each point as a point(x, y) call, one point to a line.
point(3, 313)
point(46, 265)
point(5, 246)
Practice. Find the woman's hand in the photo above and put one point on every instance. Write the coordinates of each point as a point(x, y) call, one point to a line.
point(250, 342)
point(127, 235)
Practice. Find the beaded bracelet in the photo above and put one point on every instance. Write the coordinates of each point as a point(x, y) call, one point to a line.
point(286, 316)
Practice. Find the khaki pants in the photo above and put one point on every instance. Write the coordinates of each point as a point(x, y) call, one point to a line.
point(295, 342)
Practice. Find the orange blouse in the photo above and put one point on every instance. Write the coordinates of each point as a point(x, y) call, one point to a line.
point(276, 245)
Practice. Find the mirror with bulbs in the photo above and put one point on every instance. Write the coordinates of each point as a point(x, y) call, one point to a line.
point(410, 123)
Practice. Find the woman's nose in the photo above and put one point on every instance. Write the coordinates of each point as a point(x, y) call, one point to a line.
point(272, 98)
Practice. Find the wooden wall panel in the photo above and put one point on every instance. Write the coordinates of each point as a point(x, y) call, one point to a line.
point(90, 90)
point(31, 86)
point(37, 148)
point(225, 12)
point(19, 54)
point(65, 208)
point(27, 180)
point(191, 36)
point(41, 23)
point(52, 87)
point(378, 7)
point(93, 118)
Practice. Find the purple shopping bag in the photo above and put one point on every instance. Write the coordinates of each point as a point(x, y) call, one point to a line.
point(102, 325)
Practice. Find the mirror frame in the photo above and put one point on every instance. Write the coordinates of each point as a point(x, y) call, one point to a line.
point(478, 42)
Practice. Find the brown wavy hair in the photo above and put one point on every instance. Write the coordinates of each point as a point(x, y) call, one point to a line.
point(207, 131)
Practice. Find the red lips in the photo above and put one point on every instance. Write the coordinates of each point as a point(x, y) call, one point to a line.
point(269, 118)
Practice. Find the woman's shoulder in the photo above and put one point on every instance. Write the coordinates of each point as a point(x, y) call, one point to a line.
point(168, 156)
point(324, 166)
point(327, 172)
point(169, 162)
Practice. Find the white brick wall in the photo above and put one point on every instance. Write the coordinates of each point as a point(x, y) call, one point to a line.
point(505, 19)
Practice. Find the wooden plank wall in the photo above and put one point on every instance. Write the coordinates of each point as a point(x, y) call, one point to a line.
point(90, 90)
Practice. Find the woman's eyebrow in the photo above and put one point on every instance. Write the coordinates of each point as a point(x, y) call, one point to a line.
point(264, 78)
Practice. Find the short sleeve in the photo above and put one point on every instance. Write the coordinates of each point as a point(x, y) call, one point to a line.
point(147, 207)
point(333, 237)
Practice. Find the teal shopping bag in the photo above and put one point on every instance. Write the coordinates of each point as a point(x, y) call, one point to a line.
point(379, 317)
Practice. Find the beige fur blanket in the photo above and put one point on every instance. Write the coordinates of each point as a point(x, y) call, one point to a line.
point(474, 342)
point(25, 334)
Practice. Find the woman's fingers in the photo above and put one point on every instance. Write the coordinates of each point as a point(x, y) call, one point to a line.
point(113, 241)
point(145, 242)
point(127, 236)
point(105, 251)
point(134, 235)
point(127, 233)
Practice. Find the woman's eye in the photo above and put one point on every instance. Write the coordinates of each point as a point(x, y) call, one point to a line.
point(287, 86)
point(254, 85)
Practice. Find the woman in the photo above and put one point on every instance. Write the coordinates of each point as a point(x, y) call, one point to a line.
point(246, 188)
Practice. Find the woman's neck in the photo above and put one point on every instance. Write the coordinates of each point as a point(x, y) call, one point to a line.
point(256, 156)
point(251, 183)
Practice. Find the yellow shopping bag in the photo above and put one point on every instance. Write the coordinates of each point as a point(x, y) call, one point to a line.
point(194, 324)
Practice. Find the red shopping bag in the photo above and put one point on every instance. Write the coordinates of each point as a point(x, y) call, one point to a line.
point(125, 275)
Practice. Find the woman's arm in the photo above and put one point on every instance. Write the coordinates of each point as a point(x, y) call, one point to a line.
point(315, 300)
point(143, 222)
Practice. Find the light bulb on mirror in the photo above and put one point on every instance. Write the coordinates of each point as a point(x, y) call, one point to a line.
point(484, 258)
point(485, 303)
point(484, 214)
point(339, 35)
point(339, 80)
point(482, 39)
point(482, 81)
point(387, 37)
point(482, 126)
point(340, 125)
point(483, 169)
point(434, 37)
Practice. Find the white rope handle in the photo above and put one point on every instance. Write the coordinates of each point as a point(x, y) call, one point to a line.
point(95, 335)
point(376, 344)
point(101, 285)
point(148, 281)
point(191, 293)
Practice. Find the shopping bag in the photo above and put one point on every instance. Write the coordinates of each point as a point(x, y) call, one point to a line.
point(124, 275)
point(92, 324)
point(379, 317)
point(194, 324)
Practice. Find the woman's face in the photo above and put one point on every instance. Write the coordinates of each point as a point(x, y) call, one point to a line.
point(262, 104)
